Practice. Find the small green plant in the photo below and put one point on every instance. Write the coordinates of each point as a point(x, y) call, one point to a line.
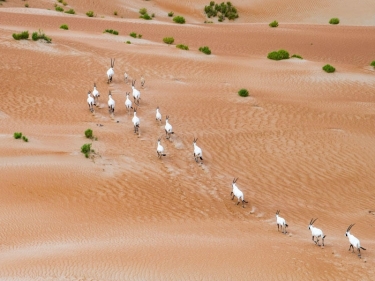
point(90, 14)
point(139, 36)
point(133, 34)
point(179, 19)
point(115, 13)
point(182, 47)
point(88, 134)
point(60, 1)
point(278, 55)
point(334, 21)
point(222, 11)
point(21, 36)
point(59, 9)
point(373, 63)
point(144, 14)
point(128, 42)
point(206, 50)
point(170, 14)
point(64, 3)
point(153, 15)
point(114, 32)
point(208, 21)
point(297, 56)
point(143, 11)
point(329, 68)
point(17, 135)
point(70, 11)
point(168, 40)
point(64, 26)
point(40, 35)
point(243, 93)
point(86, 149)
point(26, 5)
point(25, 139)
point(275, 23)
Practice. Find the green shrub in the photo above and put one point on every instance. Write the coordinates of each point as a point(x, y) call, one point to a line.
point(143, 11)
point(168, 40)
point(64, 26)
point(179, 19)
point(243, 93)
point(278, 55)
point(334, 21)
point(206, 21)
point(373, 63)
point(88, 134)
point(205, 50)
point(26, 5)
point(90, 14)
point(144, 14)
point(25, 139)
point(17, 135)
point(114, 32)
point(86, 149)
point(59, 9)
point(222, 11)
point(297, 56)
point(21, 36)
point(133, 34)
point(70, 11)
point(139, 36)
point(146, 17)
point(153, 15)
point(115, 13)
point(170, 14)
point(60, 1)
point(329, 68)
point(275, 23)
point(128, 42)
point(64, 3)
point(182, 47)
point(40, 35)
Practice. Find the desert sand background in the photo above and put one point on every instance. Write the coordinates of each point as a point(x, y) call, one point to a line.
point(302, 142)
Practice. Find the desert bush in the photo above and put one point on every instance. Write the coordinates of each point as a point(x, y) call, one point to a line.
point(128, 42)
point(64, 26)
point(275, 23)
point(222, 11)
point(278, 55)
point(114, 32)
point(90, 14)
point(88, 134)
point(133, 34)
point(64, 3)
point(329, 68)
point(146, 17)
point(17, 135)
point(115, 13)
point(168, 40)
point(139, 36)
point(179, 19)
point(206, 21)
point(21, 36)
point(70, 11)
point(59, 9)
point(182, 47)
point(26, 5)
point(86, 149)
point(143, 11)
point(25, 139)
point(243, 93)
point(334, 21)
point(40, 35)
point(153, 15)
point(297, 56)
point(170, 14)
point(60, 1)
point(373, 63)
point(205, 50)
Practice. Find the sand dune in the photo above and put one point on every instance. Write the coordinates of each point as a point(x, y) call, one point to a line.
point(302, 142)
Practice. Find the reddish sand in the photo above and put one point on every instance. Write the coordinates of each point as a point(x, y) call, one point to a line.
point(303, 143)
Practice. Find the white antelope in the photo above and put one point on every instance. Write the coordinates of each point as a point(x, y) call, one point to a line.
point(110, 71)
point(316, 232)
point(111, 103)
point(197, 151)
point(158, 114)
point(90, 101)
point(238, 193)
point(136, 93)
point(354, 242)
point(280, 222)
point(128, 103)
point(126, 77)
point(168, 128)
point(160, 149)
point(95, 94)
point(143, 81)
point(135, 121)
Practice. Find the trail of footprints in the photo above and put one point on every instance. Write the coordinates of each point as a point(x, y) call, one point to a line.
point(92, 100)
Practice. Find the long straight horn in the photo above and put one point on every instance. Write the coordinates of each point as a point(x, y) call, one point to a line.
point(94, 84)
point(311, 221)
point(350, 227)
point(314, 221)
point(113, 65)
point(235, 180)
